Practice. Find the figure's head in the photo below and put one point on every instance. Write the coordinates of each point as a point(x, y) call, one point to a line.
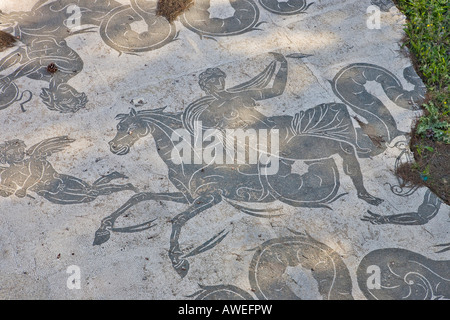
point(212, 80)
point(129, 130)
point(12, 151)
point(63, 98)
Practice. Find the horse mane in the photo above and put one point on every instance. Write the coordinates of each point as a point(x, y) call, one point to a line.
point(149, 114)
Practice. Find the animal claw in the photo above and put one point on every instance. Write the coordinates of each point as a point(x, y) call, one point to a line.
point(375, 218)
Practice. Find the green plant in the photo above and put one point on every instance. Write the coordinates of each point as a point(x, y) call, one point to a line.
point(428, 39)
point(432, 126)
point(425, 173)
point(420, 150)
point(428, 31)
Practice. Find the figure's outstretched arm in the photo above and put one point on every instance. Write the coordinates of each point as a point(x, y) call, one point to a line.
point(426, 211)
point(279, 82)
point(409, 218)
point(26, 69)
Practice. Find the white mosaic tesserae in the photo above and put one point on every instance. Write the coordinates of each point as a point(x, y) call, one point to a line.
point(245, 151)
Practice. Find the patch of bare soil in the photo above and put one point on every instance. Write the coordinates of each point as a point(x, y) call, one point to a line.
point(171, 9)
point(6, 40)
point(431, 168)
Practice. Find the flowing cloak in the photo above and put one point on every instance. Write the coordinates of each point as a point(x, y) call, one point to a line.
point(194, 110)
point(329, 121)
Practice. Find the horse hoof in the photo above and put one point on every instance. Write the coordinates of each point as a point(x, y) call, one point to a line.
point(101, 236)
point(375, 201)
point(182, 268)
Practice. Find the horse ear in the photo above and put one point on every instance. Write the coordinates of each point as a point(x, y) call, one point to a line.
point(133, 112)
point(121, 116)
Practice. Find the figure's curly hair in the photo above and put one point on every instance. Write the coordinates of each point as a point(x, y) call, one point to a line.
point(64, 99)
point(5, 146)
point(208, 74)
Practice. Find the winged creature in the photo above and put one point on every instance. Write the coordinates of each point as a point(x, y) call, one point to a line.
point(30, 170)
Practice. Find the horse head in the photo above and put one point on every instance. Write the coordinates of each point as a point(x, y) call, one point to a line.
point(129, 130)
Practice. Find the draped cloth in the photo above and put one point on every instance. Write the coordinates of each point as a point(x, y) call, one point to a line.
point(194, 110)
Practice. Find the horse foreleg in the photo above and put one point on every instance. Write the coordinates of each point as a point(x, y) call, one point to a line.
point(199, 205)
point(108, 178)
point(103, 186)
point(103, 233)
point(107, 189)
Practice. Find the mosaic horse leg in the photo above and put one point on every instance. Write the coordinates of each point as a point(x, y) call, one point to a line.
point(200, 204)
point(107, 224)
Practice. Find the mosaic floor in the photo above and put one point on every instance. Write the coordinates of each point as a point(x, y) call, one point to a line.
point(120, 144)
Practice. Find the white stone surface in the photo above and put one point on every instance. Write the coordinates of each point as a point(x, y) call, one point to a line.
point(39, 240)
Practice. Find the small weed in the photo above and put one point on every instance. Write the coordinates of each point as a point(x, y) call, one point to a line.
point(425, 173)
point(432, 126)
point(428, 39)
point(6, 40)
point(171, 9)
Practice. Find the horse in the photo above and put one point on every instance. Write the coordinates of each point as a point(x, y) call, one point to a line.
point(202, 186)
point(312, 136)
